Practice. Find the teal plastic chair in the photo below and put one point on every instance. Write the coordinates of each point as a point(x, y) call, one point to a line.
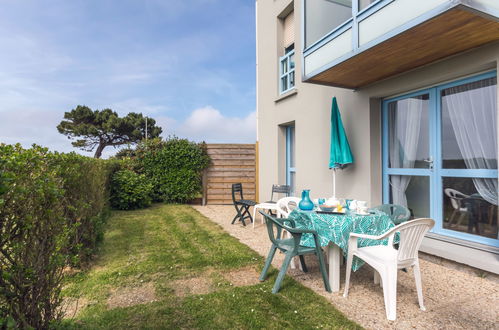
point(397, 213)
point(291, 248)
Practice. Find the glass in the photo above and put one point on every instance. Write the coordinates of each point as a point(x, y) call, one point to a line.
point(412, 192)
point(291, 158)
point(292, 79)
point(284, 65)
point(291, 137)
point(466, 210)
point(284, 83)
point(323, 16)
point(365, 3)
point(408, 136)
point(469, 125)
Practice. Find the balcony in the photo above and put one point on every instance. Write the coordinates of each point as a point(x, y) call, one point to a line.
point(347, 45)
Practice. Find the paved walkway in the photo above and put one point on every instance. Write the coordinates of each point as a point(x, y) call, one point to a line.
point(454, 299)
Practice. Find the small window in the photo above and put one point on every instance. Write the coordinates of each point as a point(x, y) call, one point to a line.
point(287, 61)
point(287, 70)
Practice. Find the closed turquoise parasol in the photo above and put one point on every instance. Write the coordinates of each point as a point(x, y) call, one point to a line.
point(340, 154)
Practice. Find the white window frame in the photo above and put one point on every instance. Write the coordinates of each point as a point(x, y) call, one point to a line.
point(291, 72)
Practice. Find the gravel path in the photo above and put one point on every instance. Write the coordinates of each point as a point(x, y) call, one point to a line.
point(454, 299)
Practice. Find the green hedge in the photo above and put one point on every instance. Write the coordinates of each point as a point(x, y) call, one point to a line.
point(174, 167)
point(52, 208)
point(130, 190)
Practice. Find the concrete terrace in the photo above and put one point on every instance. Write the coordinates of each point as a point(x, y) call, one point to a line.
point(455, 297)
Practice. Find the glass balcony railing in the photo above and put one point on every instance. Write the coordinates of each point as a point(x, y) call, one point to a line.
point(338, 33)
point(324, 16)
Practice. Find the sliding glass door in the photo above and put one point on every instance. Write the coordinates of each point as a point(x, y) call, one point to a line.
point(440, 156)
point(408, 162)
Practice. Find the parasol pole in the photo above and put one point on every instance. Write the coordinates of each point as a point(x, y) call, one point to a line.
point(334, 182)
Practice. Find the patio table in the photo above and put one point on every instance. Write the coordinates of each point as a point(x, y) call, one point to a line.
point(334, 231)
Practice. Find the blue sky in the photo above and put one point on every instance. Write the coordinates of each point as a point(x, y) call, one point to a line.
point(188, 64)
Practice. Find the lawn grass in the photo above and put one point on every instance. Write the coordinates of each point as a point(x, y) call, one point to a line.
point(164, 244)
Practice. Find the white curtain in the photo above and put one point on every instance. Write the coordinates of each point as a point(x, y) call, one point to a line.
point(472, 110)
point(405, 125)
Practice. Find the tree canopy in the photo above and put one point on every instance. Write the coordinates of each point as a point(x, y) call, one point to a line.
point(101, 128)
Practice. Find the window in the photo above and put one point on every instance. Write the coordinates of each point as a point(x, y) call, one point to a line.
point(287, 70)
point(287, 62)
point(290, 159)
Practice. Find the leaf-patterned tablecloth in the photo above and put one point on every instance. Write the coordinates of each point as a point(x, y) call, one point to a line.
point(336, 228)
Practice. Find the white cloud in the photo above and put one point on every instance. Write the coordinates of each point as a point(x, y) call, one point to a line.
point(210, 125)
point(134, 105)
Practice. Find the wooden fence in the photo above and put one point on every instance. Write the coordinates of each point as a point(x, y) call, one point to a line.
point(230, 163)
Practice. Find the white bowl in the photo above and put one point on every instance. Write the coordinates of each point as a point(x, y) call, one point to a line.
point(327, 208)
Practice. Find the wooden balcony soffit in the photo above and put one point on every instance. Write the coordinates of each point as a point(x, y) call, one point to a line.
point(447, 34)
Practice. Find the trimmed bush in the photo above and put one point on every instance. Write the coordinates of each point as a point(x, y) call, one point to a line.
point(86, 184)
point(130, 190)
point(174, 167)
point(52, 208)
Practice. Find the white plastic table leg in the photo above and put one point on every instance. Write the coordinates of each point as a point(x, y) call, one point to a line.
point(377, 279)
point(254, 214)
point(334, 254)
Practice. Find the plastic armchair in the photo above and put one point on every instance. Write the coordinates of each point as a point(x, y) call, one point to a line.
point(397, 213)
point(386, 260)
point(290, 247)
point(456, 200)
point(270, 207)
point(284, 207)
point(279, 189)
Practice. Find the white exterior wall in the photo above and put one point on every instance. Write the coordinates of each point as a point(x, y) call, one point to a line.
point(309, 106)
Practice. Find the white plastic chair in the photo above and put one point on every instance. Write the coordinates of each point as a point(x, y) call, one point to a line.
point(271, 205)
point(285, 205)
point(263, 206)
point(456, 198)
point(386, 260)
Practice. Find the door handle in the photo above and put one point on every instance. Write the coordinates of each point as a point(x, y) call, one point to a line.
point(429, 161)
